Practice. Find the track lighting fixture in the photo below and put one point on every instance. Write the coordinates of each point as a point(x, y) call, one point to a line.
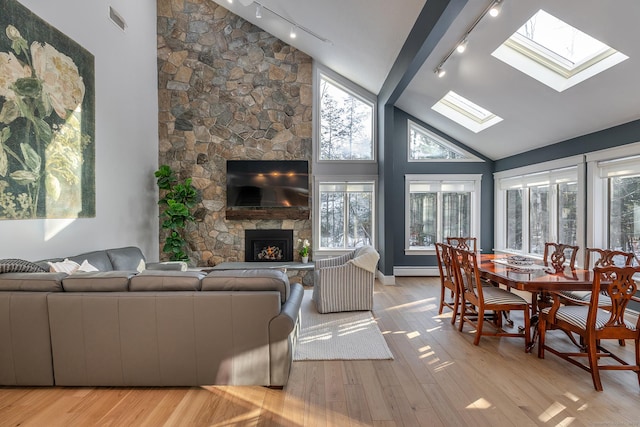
point(496, 8)
point(260, 8)
point(492, 9)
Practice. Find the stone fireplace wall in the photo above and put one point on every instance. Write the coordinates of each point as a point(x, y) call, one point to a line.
point(227, 90)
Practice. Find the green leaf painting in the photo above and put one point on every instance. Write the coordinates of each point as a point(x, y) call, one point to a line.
point(47, 120)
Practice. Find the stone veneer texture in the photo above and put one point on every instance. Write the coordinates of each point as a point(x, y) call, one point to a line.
point(227, 90)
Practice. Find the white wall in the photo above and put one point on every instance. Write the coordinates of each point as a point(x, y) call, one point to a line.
point(126, 134)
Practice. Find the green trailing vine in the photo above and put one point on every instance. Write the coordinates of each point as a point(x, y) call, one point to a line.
point(177, 200)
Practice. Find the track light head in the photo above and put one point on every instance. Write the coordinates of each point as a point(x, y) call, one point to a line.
point(440, 72)
point(496, 8)
point(258, 11)
point(462, 46)
point(292, 32)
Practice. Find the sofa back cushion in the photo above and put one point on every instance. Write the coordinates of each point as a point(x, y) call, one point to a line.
point(248, 280)
point(158, 280)
point(100, 281)
point(129, 258)
point(98, 259)
point(32, 282)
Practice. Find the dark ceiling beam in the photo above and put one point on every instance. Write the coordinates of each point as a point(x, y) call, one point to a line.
point(430, 26)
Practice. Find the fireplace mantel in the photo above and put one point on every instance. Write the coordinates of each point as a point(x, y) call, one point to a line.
point(268, 213)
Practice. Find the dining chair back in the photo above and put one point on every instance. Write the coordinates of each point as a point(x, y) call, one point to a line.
point(477, 300)
point(466, 243)
point(448, 282)
point(557, 254)
point(593, 324)
point(594, 258)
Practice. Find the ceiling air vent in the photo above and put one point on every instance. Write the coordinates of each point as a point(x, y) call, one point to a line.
point(117, 19)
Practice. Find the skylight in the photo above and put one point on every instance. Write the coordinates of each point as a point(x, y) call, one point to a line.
point(555, 53)
point(465, 113)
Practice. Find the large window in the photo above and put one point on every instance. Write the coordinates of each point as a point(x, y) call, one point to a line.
point(624, 212)
point(346, 214)
point(538, 207)
point(344, 164)
point(346, 131)
point(616, 201)
point(440, 206)
point(426, 146)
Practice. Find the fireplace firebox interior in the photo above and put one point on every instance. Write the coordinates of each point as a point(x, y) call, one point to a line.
point(268, 245)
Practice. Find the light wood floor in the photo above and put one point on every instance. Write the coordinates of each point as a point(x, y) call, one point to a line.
point(438, 377)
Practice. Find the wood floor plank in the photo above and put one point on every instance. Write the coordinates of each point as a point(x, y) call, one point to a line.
point(437, 377)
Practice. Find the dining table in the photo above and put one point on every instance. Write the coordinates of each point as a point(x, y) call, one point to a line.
point(532, 276)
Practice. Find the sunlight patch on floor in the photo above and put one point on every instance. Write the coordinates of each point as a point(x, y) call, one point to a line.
point(551, 412)
point(481, 403)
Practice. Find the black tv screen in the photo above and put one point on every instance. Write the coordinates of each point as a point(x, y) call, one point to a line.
point(267, 183)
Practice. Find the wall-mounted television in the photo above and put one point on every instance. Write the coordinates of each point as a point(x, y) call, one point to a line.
point(267, 183)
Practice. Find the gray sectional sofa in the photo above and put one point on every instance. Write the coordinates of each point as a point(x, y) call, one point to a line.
point(124, 327)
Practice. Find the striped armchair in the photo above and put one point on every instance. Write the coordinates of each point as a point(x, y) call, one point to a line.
point(345, 283)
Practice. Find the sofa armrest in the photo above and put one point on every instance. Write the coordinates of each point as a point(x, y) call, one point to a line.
point(283, 334)
point(169, 265)
point(281, 326)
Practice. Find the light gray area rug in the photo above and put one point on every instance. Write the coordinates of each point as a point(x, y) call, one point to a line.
point(350, 335)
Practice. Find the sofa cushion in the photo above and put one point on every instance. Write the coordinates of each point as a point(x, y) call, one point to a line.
point(99, 259)
point(156, 280)
point(248, 280)
point(100, 281)
point(129, 258)
point(33, 282)
point(13, 265)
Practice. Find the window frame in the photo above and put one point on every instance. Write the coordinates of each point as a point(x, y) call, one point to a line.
point(476, 208)
point(527, 177)
point(321, 72)
point(318, 180)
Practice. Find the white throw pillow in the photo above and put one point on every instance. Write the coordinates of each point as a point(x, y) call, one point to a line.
point(66, 266)
point(86, 267)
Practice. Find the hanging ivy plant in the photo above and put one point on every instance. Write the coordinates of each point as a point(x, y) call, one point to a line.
point(176, 201)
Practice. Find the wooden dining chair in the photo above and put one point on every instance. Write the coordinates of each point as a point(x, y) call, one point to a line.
point(448, 283)
point(594, 324)
point(596, 257)
point(557, 254)
point(476, 300)
point(466, 243)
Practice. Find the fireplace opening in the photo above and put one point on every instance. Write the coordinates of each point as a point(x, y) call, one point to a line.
point(268, 245)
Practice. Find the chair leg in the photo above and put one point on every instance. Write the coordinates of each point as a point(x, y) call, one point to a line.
point(456, 305)
point(442, 291)
point(527, 330)
point(480, 323)
point(637, 344)
point(592, 353)
point(542, 329)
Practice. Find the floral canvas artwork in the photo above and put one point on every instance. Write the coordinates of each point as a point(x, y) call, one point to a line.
point(47, 120)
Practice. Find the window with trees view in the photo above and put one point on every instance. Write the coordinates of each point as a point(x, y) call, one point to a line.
point(346, 214)
point(425, 145)
point(441, 206)
point(346, 131)
point(624, 213)
point(536, 208)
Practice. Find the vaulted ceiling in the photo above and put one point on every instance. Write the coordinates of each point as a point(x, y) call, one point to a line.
point(363, 39)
